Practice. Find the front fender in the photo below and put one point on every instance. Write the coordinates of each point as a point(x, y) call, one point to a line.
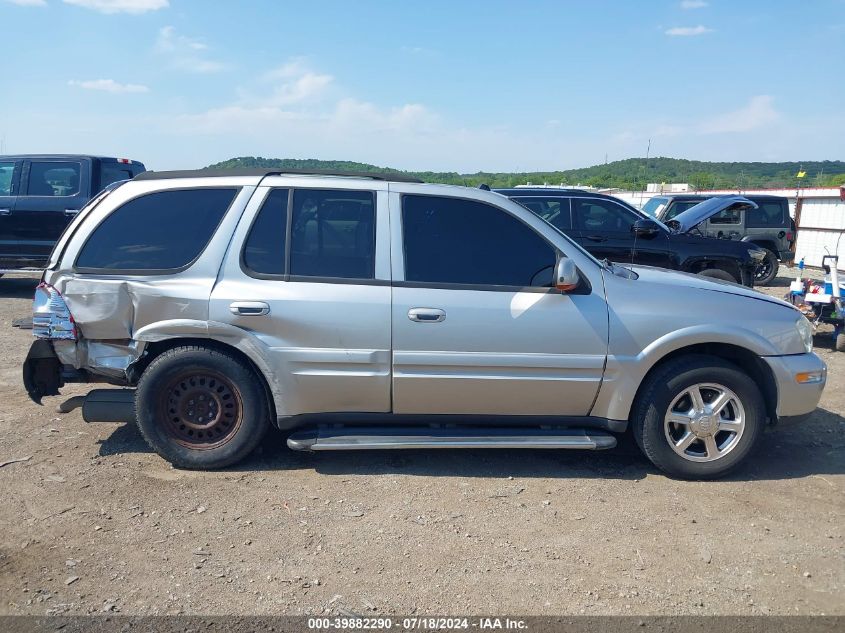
point(625, 373)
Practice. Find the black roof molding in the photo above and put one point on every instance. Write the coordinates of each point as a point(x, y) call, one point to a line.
point(263, 172)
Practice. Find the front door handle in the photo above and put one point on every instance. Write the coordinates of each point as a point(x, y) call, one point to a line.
point(596, 238)
point(71, 212)
point(249, 308)
point(5, 212)
point(427, 315)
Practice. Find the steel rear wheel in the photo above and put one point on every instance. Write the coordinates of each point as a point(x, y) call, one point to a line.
point(201, 408)
point(204, 410)
point(698, 417)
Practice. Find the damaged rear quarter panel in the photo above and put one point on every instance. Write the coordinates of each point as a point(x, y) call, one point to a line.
point(109, 308)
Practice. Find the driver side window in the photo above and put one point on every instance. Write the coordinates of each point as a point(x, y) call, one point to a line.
point(457, 241)
point(601, 216)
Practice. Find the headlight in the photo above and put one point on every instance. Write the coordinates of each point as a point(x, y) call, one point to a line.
point(756, 254)
point(805, 331)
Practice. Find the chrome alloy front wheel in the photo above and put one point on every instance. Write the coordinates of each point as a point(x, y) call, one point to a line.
point(704, 422)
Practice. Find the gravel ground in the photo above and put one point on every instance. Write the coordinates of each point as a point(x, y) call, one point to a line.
point(94, 522)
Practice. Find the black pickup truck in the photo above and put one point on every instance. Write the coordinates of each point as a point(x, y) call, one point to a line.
point(610, 229)
point(40, 194)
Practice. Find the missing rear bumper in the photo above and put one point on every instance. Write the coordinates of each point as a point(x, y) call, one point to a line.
point(42, 371)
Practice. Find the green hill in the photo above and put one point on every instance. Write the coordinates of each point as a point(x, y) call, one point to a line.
point(631, 173)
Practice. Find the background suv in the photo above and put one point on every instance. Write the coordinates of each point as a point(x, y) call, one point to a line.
point(40, 194)
point(769, 226)
point(363, 313)
point(611, 229)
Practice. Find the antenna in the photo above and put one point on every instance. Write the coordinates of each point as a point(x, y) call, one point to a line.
point(647, 153)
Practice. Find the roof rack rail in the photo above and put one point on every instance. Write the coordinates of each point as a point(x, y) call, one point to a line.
point(248, 171)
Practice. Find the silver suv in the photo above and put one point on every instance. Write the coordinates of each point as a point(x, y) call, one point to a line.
point(375, 312)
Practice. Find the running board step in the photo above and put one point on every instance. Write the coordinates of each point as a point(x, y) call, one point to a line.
point(370, 438)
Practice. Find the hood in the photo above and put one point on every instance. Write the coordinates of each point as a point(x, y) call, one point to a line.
point(694, 216)
point(689, 280)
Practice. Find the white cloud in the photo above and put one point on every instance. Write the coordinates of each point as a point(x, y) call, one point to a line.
point(759, 112)
point(120, 6)
point(693, 4)
point(686, 31)
point(109, 85)
point(29, 3)
point(186, 53)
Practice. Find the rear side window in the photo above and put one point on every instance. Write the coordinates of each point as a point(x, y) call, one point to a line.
point(114, 172)
point(54, 179)
point(767, 214)
point(333, 234)
point(555, 211)
point(456, 241)
point(166, 230)
point(264, 251)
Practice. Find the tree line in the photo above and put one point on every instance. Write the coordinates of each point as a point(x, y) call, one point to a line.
point(631, 173)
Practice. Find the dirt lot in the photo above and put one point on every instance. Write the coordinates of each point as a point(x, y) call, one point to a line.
point(95, 522)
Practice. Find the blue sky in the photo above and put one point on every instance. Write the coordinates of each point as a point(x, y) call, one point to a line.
point(440, 85)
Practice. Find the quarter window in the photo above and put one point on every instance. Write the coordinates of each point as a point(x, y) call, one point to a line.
point(264, 251)
point(53, 179)
point(333, 234)
point(166, 230)
point(455, 241)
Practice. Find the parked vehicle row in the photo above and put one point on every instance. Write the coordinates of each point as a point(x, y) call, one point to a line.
point(767, 225)
point(39, 196)
point(373, 312)
point(611, 229)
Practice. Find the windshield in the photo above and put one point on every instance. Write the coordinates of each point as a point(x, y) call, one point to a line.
point(654, 206)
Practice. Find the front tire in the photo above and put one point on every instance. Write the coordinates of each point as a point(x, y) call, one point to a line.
point(718, 273)
point(698, 417)
point(201, 408)
point(767, 271)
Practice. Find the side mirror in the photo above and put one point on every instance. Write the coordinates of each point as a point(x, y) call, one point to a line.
point(566, 275)
point(645, 228)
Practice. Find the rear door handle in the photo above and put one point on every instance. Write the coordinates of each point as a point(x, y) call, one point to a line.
point(249, 308)
point(5, 212)
point(596, 238)
point(71, 211)
point(427, 315)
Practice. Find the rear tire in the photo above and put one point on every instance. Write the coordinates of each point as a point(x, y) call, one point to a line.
point(718, 273)
point(767, 271)
point(201, 408)
point(839, 343)
point(689, 436)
